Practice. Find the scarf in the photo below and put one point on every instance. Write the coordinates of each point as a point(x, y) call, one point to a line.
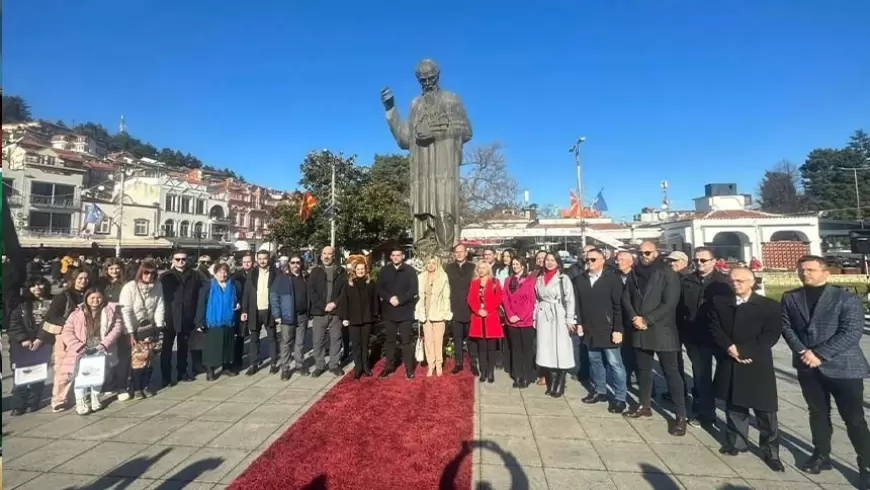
point(548, 276)
point(220, 310)
point(643, 273)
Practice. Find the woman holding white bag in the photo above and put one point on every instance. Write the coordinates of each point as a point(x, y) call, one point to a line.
point(433, 312)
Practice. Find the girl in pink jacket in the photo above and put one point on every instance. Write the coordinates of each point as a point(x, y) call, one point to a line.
point(91, 329)
point(519, 311)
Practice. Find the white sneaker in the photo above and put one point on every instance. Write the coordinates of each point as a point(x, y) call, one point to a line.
point(95, 401)
point(123, 397)
point(82, 406)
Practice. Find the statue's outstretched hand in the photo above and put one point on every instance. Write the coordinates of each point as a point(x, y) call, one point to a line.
point(387, 98)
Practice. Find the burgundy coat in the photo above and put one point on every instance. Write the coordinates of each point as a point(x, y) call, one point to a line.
point(489, 327)
point(520, 302)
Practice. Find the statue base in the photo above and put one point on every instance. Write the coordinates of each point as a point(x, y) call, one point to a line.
point(429, 247)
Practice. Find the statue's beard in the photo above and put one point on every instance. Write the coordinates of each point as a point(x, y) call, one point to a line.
point(429, 88)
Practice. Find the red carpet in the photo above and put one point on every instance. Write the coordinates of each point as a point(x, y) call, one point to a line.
point(375, 434)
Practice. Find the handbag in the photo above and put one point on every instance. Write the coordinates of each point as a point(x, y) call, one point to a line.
point(54, 328)
point(419, 351)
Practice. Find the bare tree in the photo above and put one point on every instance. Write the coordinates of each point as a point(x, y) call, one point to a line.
point(779, 191)
point(486, 186)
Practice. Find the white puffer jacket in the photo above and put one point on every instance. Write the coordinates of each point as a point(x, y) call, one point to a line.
point(140, 302)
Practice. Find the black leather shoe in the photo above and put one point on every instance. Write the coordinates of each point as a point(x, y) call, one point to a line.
point(230, 371)
point(209, 374)
point(593, 398)
point(456, 369)
point(617, 407)
point(549, 379)
point(357, 375)
point(16, 412)
point(730, 451)
point(559, 383)
point(285, 375)
point(252, 370)
point(816, 464)
point(386, 372)
point(304, 371)
point(475, 371)
point(318, 372)
point(186, 378)
point(410, 375)
point(367, 373)
point(517, 384)
point(274, 369)
point(490, 378)
point(774, 464)
point(679, 428)
point(337, 371)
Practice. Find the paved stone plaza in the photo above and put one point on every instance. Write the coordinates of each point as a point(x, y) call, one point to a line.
point(201, 435)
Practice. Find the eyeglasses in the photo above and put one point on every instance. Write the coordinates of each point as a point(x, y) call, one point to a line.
point(701, 261)
point(295, 262)
point(647, 253)
point(591, 260)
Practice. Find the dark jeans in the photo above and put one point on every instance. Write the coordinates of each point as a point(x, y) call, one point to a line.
point(460, 333)
point(27, 396)
point(628, 359)
point(254, 343)
point(701, 358)
point(668, 361)
point(848, 394)
point(140, 378)
point(403, 330)
point(487, 350)
point(119, 378)
point(170, 336)
point(359, 336)
point(522, 341)
point(737, 430)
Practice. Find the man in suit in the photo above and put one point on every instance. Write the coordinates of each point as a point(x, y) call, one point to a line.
point(744, 327)
point(693, 318)
point(397, 287)
point(598, 302)
point(460, 273)
point(823, 325)
point(652, 291)
point(257, 313)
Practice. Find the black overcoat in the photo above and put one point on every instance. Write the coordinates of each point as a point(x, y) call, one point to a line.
point(754, 328)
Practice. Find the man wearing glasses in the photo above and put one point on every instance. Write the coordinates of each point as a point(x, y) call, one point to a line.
point(693, 320)
point(181, 287)
point(300, 296)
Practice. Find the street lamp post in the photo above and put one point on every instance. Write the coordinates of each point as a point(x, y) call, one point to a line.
point(576, 151)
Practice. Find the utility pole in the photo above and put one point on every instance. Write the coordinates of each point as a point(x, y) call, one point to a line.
point(576, 150)
point(121, 210)
point(332, 205)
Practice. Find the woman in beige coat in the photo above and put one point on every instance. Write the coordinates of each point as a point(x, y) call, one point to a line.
point(433, 311)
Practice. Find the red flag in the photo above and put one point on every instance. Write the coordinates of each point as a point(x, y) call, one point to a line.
point(574, 210)
point(306, 204)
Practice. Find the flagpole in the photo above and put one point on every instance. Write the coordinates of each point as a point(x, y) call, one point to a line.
point(332, 215)
point(576, 150)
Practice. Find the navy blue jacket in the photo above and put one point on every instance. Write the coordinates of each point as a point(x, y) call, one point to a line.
point(282, 299)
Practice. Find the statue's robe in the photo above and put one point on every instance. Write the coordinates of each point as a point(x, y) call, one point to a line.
point(435, 131)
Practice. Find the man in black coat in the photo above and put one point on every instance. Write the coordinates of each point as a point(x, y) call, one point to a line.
point(598, 294)
point(693, 321)
point(300, 297)
point(459, 275)
point(397, 288)
point(240, 277)
point(581, 352)
point(652, 292)
point(181, 286)
point(257, 314)
point(325, 286)
point(745, 326)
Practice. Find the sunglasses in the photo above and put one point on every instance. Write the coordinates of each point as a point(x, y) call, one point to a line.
point(647, 253)
point(295, 262)
point(701, 261)
point(147, 273)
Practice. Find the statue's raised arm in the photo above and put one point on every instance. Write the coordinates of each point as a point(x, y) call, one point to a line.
point(401, 131)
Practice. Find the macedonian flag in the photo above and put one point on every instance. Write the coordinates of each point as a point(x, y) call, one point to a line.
point(306, 204)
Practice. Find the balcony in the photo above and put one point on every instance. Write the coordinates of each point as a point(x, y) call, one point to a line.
point(47, 232)
point(54, 202)
point(14, 200)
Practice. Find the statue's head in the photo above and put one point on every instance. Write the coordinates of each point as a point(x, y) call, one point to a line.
point(427, 74)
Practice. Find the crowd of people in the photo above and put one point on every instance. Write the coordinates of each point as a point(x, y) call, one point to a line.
point(602, 321)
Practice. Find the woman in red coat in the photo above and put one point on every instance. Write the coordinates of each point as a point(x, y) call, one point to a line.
point(484, 298)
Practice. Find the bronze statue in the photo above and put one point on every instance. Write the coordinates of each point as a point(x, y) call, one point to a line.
point(435, 131)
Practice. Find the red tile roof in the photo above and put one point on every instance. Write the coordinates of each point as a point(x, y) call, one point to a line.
point(737, 214)
point(99, 165)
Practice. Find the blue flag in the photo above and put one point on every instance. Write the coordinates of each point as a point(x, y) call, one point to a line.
point(599, 204)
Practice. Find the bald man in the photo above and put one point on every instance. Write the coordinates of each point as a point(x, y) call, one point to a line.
point(652, 292)
point(325, 286)
point(745, 326)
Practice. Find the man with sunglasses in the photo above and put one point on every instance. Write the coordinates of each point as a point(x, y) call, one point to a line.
point(652, 292)
point(699, 288)
point(181, 288)
point(296, 338)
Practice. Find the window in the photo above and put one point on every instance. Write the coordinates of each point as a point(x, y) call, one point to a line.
point(169, 228)
point(184, 229)
point(172, 202)
point(197, 230)
point(200, 207)
point(140, 227)
point(48, 194)
point(187, 205)
point(50, 223)
point(104, 227)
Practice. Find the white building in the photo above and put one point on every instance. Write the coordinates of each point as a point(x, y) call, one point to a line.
point(191, 213)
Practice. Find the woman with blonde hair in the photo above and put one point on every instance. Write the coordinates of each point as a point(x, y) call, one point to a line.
point(359, 309)
point(433, 311)
point(484, 299)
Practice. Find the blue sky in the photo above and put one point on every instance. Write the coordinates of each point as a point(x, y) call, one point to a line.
point(688, 91)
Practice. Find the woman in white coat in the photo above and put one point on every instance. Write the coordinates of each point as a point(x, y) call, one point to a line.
point(433, 312)
point(555, 322)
